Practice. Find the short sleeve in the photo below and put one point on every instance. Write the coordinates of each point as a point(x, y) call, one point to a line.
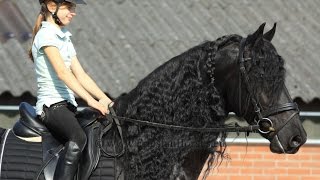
point(46, 38)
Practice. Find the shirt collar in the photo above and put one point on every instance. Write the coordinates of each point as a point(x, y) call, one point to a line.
point(63, 32)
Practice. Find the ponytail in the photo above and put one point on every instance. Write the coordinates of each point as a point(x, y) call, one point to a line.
point(41, 17)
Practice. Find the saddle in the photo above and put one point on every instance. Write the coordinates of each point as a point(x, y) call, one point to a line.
point(30, 127)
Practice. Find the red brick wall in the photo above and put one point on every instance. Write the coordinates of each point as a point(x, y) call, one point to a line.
point(256, 162)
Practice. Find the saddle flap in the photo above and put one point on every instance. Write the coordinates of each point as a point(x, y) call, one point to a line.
point(91, 153)
point(87, 116)
point(28, 125)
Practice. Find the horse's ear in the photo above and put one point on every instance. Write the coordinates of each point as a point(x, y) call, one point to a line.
point(252, 38)
point(269, 35)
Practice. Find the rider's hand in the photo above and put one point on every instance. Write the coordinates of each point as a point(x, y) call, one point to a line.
point(106, 102)
point(100, 107)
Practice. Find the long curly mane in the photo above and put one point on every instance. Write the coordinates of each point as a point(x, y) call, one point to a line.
point(180, 92)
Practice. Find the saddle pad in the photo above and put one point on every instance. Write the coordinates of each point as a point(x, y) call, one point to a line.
point(105, 169)
point(21, 160)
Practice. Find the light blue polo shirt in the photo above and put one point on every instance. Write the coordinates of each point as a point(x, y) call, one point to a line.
point(50, 88)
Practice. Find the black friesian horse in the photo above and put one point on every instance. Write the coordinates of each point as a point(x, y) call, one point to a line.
point(198, 89)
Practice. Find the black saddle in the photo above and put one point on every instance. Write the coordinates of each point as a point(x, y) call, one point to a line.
point(29, 125)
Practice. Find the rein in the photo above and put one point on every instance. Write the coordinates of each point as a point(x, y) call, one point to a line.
point(114, 119)
point(235, 128)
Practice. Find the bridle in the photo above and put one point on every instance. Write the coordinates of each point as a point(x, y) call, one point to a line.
point(262, 116)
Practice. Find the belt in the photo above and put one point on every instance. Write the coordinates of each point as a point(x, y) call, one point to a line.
point(70, 106)
point(64, 103)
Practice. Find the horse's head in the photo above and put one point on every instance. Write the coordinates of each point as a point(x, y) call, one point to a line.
point(255, 90)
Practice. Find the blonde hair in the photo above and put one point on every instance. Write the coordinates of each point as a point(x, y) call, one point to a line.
point(41, 17)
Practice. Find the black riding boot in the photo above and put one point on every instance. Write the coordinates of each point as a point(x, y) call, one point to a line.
point(68, 163)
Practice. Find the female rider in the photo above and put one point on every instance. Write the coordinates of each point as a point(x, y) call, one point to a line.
point(59, 75)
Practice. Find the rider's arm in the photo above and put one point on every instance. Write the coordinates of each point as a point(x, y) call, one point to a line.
point(87, 82)
point(69, 79)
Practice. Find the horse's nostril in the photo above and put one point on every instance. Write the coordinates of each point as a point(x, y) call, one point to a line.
point(296, 141)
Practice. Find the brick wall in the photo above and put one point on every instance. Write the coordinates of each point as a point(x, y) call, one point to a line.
point(256, 162)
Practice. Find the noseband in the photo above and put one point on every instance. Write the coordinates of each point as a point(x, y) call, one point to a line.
point(263, 116)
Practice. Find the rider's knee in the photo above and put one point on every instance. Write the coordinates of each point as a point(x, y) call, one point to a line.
point(81, 140)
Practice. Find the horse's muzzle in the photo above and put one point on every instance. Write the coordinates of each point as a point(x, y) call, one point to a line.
point(290, 147)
